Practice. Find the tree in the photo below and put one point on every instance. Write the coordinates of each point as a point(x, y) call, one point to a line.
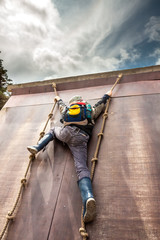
point(4, 82)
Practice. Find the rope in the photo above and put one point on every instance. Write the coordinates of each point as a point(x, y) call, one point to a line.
point(11, 214)
point(94, 160)
point(118, 79)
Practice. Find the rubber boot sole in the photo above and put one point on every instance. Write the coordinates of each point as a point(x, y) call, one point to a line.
point(90, 210)
point(32, 150)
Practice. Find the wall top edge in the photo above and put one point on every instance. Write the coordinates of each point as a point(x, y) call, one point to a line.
point(85, 77)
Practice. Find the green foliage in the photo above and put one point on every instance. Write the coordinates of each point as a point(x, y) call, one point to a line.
point(4, 82)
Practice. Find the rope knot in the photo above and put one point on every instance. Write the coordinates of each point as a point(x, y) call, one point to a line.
point(32, 157)
point(50, 115)
point(94, 159)
point(23, 181)
point(42, 134)
point(10, 216)
point(105, 115)
point(54, 85)
point(100, 134)
point(83, 232)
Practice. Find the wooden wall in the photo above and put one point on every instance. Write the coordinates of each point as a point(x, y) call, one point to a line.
point(127, 179)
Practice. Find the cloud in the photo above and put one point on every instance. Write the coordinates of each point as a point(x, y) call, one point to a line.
point(131, 55)
point(156, 53)
point(25, 26)
point(97, 64)
point(86, 34)
point(40, 40)
point(156, 56)
point(152, 29)
point(158, 62)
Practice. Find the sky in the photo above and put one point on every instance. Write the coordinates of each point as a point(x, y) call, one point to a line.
point(48, 39)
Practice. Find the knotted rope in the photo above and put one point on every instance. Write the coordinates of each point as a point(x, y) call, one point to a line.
point(94, 160)
point(51, 113)
point(11, 214)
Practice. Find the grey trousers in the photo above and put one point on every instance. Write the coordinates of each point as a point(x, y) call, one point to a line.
point(77, 142)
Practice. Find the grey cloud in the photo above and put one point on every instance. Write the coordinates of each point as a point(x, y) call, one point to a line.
point(33, 9)
point(102, 26)
point(152, 29)
point(158, 62)
point(156, 53)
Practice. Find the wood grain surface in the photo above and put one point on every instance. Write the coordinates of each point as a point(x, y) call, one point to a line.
point(126, 182)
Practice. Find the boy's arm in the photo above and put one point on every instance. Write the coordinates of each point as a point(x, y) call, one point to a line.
point(62, 106)
point(99, 106)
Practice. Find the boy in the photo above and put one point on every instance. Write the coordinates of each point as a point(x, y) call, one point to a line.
point(78, 120)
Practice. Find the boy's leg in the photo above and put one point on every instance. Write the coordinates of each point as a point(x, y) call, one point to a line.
point(79, 153)
point(59, 132)
point(88, 200)
point(78, 147)
point(41, 144)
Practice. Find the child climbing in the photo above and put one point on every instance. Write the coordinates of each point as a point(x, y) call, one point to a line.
point(78, 122)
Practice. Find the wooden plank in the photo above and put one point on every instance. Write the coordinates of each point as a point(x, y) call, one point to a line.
point(127, 180)
point(66, 219)
point(19, 127)
point(14, 137)
point(40, 198)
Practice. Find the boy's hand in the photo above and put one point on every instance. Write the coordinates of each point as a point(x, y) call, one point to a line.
point(109, 93)
point(57, 98)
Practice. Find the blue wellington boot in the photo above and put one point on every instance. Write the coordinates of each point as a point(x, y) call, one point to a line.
point(41, 144)
point(88, 200)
